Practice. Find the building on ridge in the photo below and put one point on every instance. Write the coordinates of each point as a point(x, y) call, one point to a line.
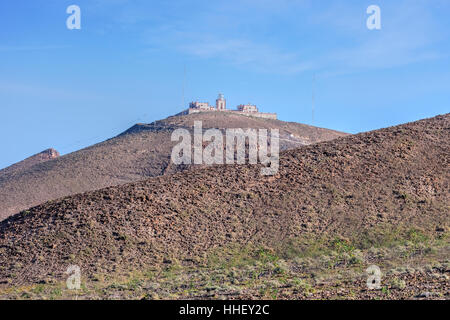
point(247, 108)
point(221, 106)
point(221, 103)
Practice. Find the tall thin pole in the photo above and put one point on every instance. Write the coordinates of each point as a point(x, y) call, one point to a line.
point(313, 97)
point(184, 84)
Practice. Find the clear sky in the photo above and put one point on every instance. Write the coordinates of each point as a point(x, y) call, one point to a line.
point(69, 89)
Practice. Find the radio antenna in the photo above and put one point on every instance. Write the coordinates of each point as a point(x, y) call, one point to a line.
point(184, 85)
point(313, 97)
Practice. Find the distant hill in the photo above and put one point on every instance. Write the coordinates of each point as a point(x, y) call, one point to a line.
point(141, 152)
point(28, 163)
point(356, 187)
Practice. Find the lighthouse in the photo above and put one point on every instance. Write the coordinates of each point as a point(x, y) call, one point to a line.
point(221, 103)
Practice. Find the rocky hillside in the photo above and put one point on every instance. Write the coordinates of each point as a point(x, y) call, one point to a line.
point(28, 163)
point(141, 152)
point(360, 187)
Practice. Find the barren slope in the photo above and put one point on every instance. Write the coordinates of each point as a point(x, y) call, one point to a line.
point(357, 187)
point(29, 162)
point(142, 151)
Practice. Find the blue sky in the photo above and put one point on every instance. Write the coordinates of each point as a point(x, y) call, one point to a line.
point(68, 89)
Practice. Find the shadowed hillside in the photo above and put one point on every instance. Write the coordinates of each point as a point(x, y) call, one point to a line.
point(361, 189)
point(142, 151)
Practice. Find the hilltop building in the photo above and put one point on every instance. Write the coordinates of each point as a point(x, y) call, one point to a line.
point(204, 106)
point(247, 108)
point(221, 106)
point(221, 103)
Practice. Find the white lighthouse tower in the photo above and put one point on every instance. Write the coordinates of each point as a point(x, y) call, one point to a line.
point(221, 103)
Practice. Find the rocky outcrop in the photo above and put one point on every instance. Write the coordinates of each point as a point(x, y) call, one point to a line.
point(40, 157)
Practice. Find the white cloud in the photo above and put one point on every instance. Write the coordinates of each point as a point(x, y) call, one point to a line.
point(38, 90)
point(31, 48)
point(409, 35)
point(214, 31)
point(240, 52)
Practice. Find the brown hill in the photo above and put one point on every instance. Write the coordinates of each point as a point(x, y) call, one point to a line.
point(357, 187)
point(28, 163)
point(141, 152)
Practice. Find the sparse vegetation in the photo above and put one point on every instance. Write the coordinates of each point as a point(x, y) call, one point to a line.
point(259, 272)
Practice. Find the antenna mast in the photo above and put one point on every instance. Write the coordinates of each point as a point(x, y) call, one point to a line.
point(313, 97)
point(184, 84)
